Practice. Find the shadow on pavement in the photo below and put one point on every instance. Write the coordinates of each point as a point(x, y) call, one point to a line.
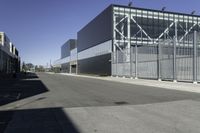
point(25, 85)
point(48, 120)
point(27, 75)
point(5, 117)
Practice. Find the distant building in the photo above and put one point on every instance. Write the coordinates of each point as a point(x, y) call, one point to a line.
point(9, 56)
point(68, 60)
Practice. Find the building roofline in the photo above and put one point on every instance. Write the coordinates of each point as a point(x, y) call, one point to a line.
point(155, 10)
point(68, 41)
point(139, 8)
point(110, 6)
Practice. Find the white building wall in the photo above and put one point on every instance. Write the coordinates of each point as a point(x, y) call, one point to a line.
point(101, 49)
point(73, 55)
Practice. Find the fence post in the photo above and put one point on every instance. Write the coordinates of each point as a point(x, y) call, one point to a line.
point(195, 58)
point(124, 60)
point(174, 61)
point(136, 61)
point(112, 57)
point(159, 60)
point(131, 65)
point(174, 54)
point(116, 52)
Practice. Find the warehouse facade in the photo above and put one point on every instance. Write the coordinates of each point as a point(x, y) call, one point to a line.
point(141, 43)
point(68, 61)
point(9, 56)
point(95, 45)
point(155, 44)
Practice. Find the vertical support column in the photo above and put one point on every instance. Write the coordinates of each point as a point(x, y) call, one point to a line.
point(128, 31)
point(114, 43)
point(114, 33)
point(114, 60)
point(129, 41)
point(136, 61)
point(174, 54)
point(195, 58)
point(159, 60)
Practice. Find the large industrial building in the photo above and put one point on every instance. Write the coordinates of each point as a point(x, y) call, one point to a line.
point(68, 60)
point(141, 43)
point(9, 56)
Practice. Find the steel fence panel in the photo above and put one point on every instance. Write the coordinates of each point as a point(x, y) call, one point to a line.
point(133, 62)
point(167, 62)
point(124, 62)
point(184, 59)
point(114, 64)
point(198, 63)
point(147, 61)
point(198, 57)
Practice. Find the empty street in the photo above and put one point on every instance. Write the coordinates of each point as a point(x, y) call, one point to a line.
point(60, 103)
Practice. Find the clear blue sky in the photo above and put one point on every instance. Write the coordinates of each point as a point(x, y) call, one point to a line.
point(38, 28)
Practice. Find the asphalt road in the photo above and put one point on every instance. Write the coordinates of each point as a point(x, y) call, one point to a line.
point(66, 104)
point(68, 91)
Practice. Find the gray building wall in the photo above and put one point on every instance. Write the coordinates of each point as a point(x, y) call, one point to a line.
point(65, 67)
point(65, 52)
point(66, 47)
point(98, 65)
point(97, 31)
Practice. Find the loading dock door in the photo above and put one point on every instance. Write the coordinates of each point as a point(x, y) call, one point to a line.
point(73, 68)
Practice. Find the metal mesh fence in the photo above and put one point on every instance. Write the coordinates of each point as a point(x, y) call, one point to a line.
point(133, 61)
point(147, 61)
point(166, 60)
point(198, 63)
point(198, 57)
point(121, 63)
point(184, 63)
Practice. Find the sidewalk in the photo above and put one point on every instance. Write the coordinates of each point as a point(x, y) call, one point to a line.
point(181, 86)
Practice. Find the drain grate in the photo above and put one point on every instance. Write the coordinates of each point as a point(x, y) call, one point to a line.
point(121, 103)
